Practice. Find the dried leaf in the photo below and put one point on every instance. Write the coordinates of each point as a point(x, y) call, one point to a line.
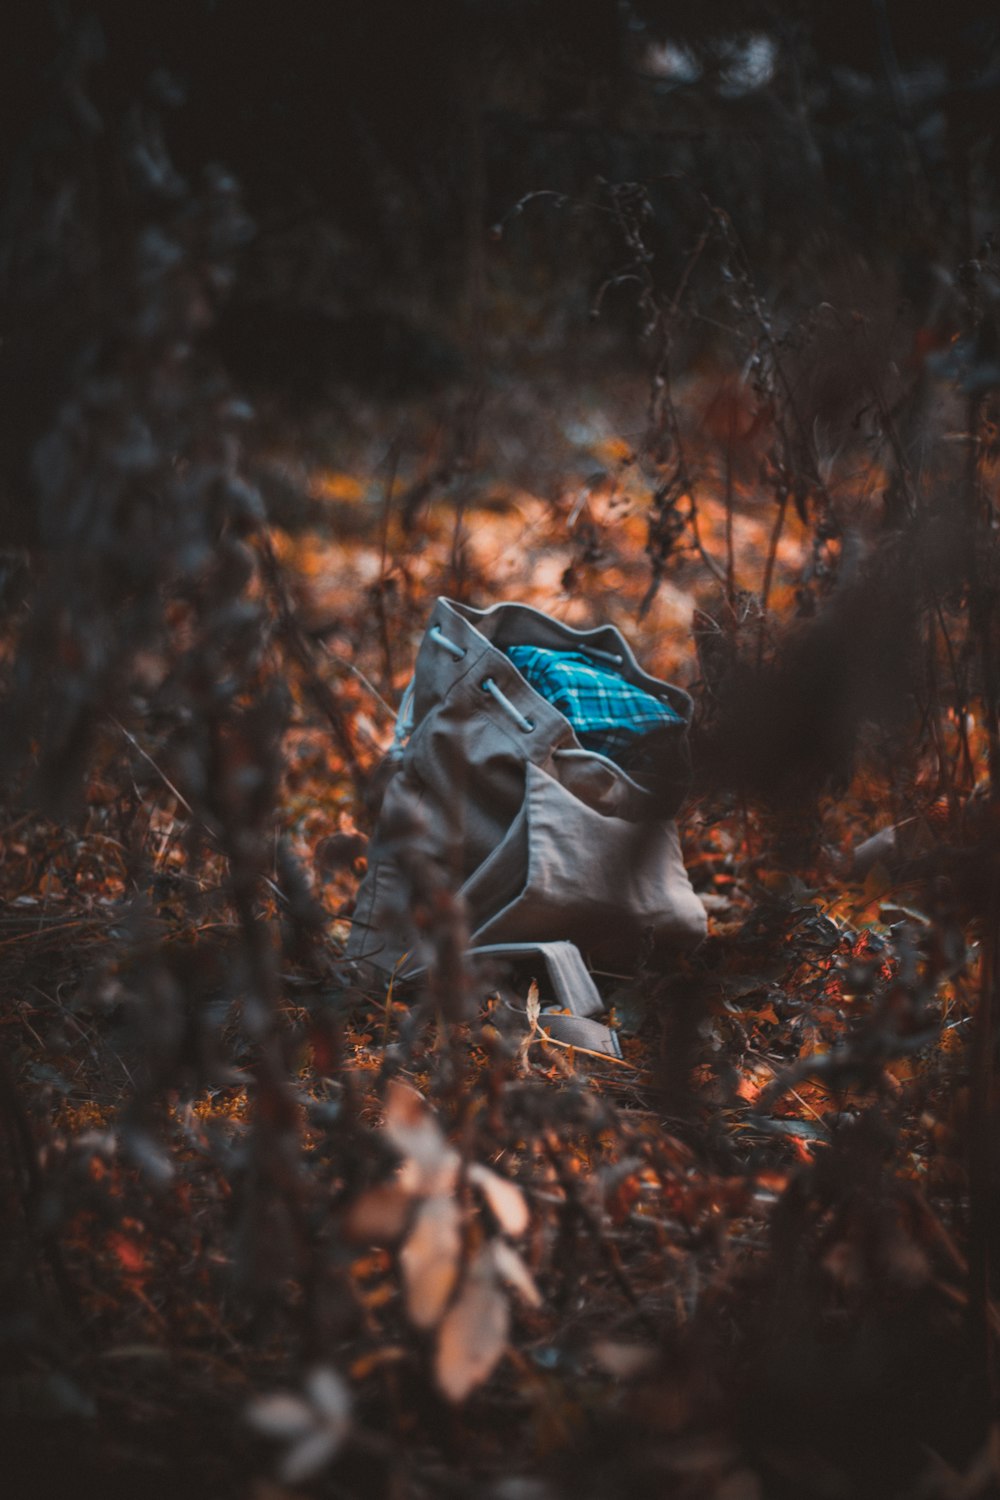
point(430, 1260)
point(429, 1178)
point(330, 1395)
point(512, 1269)
point(622, 1360)
point(430, 1165)
point(152, 1161)
point(505, 1199)
point(533, 1011)
point(127, 1252)
point(405, 1110)
point(308, 1456)
point(533, 1005)
point(473, 1334)
point(751, 1084)
point(368, 1363)
point(379, 1216)
point(315, 1428)
point(281, 1415)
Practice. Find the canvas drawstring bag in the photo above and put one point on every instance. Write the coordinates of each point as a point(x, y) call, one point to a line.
point(555, 849)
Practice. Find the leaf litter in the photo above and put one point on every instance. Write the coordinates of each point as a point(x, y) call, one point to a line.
point(532, 1234)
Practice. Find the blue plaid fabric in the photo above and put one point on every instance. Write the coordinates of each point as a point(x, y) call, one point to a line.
point(606, 712)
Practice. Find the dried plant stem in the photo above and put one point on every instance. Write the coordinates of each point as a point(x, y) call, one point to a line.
point(300, 650)
point(982, 1153)
point(772, 557)
point(713, 567)
point(981, 1146)
point(730, 545)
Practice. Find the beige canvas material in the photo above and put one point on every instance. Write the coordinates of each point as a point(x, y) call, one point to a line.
point(545, 840)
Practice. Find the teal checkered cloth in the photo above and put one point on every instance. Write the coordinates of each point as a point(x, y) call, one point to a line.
point(607, 712)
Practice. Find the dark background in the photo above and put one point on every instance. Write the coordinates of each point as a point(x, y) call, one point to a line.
point(374, 145)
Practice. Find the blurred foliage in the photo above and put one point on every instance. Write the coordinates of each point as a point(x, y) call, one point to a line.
point(686, 318)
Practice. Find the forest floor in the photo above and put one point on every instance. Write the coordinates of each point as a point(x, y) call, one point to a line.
point(735, 1264)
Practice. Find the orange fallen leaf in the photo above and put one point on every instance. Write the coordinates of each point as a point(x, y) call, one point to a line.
point(429, 1260)
point(127, 1252)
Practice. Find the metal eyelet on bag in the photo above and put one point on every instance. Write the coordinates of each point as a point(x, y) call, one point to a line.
point(439, 638)
point(499, 696)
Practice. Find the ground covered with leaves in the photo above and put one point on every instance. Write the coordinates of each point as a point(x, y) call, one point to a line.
point(269, 1229)
point(686, 323)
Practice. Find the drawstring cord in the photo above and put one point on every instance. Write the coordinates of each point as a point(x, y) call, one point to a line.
point(488, 685)
point(440, 639)
point(404, 720)
point(609, 656)
point(497, 694)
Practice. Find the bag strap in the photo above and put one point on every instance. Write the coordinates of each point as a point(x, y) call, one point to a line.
point(574, 989)
point(579, 1031)
point(569, 976)
point(576, 1031)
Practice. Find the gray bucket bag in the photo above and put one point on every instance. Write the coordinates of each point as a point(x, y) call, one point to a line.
point(555, 850)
